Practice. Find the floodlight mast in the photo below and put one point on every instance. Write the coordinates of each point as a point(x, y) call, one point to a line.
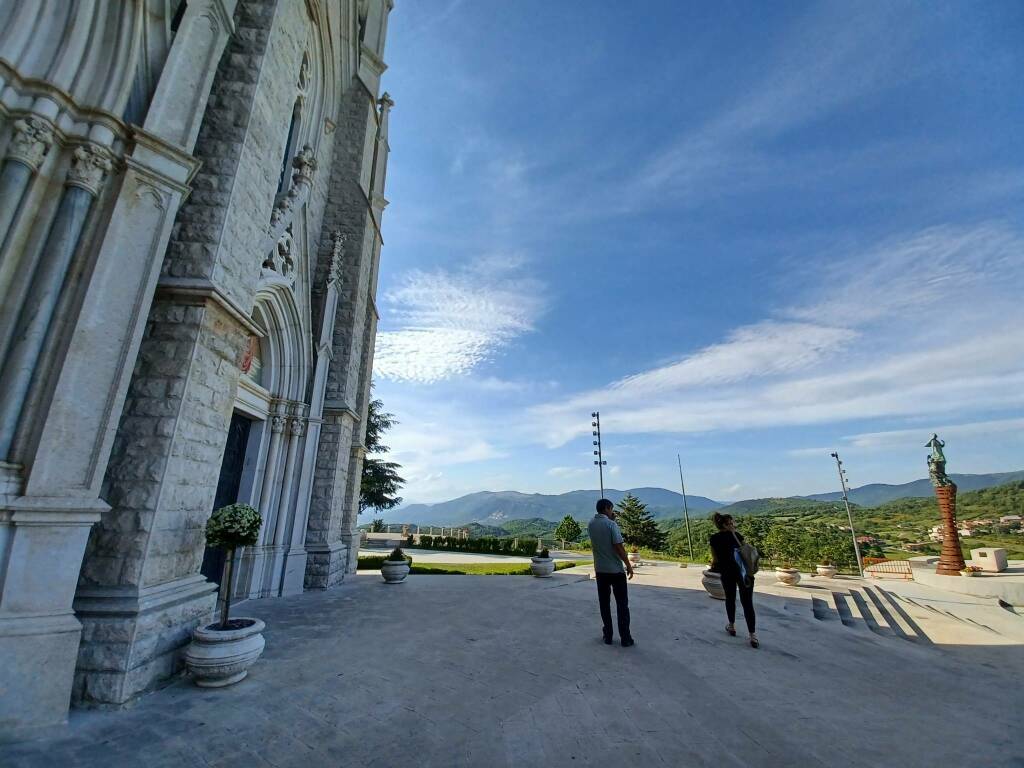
point(849, 514)
point(596, 424)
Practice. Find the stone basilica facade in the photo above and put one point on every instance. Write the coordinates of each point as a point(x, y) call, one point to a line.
point(191, 194)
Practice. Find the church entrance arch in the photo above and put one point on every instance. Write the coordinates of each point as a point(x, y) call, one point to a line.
point(264, 455)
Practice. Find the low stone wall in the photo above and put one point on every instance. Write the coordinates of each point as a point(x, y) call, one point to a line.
point(1007, 586)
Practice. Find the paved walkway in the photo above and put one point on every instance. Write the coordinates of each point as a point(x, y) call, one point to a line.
point(510, 671)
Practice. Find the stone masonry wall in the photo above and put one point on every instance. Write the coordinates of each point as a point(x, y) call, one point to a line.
point(242, 143)
point(164, 467)
point(348, 212)
point(163, 474)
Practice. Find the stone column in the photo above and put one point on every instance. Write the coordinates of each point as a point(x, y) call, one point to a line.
point(29, 145)
point(89, 166)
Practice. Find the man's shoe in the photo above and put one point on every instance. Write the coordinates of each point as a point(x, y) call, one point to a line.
point(607, 639)
point(627, 642)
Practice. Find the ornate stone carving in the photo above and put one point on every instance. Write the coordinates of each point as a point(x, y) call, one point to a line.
point(277, 424)
point(89, 165)
point(386, 103)
point(298, 427)
point(334, 275)
point(31, 141)
point(280, 259)
point(304, 164)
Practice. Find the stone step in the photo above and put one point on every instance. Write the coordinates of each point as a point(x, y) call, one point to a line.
point(948, 614)
point(872, 617)
point(848, 612)
point(899, 619)
point(823, 605)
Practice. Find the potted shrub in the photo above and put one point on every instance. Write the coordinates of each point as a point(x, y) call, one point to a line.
point(396, 567)
point(787, 575)
point(222, 652)
point(826, 568)
point(712, 582)
point(541, 564)
point(634, 556)
point(971, 570)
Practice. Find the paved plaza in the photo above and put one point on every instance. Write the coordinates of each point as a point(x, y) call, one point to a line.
point(511, 671)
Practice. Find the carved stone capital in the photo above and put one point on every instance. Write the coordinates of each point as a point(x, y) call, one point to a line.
point(31, 141)
point(277, 424)
point(298, 427)
point(89, 165)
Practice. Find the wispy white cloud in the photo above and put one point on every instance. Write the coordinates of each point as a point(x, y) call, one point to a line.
point(567, 472)
point(926, 324)
point(902, 437)
point(448, 322)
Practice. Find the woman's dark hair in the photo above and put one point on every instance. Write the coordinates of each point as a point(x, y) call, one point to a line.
point(721, 520)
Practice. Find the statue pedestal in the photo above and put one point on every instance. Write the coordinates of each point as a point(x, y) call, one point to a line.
point(951, 560)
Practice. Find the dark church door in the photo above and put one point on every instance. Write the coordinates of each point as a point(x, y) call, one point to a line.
point(227, 487)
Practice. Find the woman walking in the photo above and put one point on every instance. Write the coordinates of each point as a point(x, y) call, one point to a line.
point(726, 562)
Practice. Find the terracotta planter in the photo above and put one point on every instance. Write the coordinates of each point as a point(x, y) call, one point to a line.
point(827, 570)
point(787, 576)
point(394, 571)
point(542, 567)
point(216, 657)
point(712, 582)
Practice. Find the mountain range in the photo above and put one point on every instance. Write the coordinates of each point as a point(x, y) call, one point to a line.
point(495, 508)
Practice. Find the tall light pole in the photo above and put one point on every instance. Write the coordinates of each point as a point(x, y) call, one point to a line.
point(686, 512)
point(596, 424)
point(849, 514)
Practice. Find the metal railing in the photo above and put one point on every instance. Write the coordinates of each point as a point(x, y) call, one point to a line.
point(882, 568)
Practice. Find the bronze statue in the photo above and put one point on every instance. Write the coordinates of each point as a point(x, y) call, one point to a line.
point(937, 462)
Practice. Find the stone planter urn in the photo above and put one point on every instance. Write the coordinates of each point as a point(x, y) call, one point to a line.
point(827, 570)
point(712, 582)
point(218, 657)
point(394, 571)
point(787, 576)
point(634, 558)
point(542, 567)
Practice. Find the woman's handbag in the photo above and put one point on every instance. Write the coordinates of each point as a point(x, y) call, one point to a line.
point(749, 556)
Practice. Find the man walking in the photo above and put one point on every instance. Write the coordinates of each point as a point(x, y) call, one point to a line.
point(610, 566)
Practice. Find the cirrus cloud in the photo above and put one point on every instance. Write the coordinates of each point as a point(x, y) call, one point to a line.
point(450, 321)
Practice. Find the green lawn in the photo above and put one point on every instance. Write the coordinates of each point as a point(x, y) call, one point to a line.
point(463, 569)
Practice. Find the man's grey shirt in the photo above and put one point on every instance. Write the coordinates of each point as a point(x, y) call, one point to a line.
point(604, 535)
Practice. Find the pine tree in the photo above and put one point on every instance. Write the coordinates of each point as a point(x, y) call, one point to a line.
point(568, 529)
point(638, 526)
point(380, 482)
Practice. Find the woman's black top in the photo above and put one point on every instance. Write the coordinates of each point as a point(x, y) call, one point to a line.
point(723, 544)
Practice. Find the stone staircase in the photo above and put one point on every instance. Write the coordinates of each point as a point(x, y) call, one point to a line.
point(866, 607)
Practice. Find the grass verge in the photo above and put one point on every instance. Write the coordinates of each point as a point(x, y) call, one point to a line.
point(463, 569)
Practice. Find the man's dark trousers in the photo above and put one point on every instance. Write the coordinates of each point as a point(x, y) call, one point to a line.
point(606, 584)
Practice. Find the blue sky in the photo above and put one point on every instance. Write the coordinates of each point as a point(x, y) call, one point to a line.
point(750, 233)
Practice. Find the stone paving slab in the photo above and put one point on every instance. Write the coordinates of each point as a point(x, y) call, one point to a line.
point(510, 671)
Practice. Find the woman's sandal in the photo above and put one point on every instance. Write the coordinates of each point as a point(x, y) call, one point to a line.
point(731, 631)
point(753, 641)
